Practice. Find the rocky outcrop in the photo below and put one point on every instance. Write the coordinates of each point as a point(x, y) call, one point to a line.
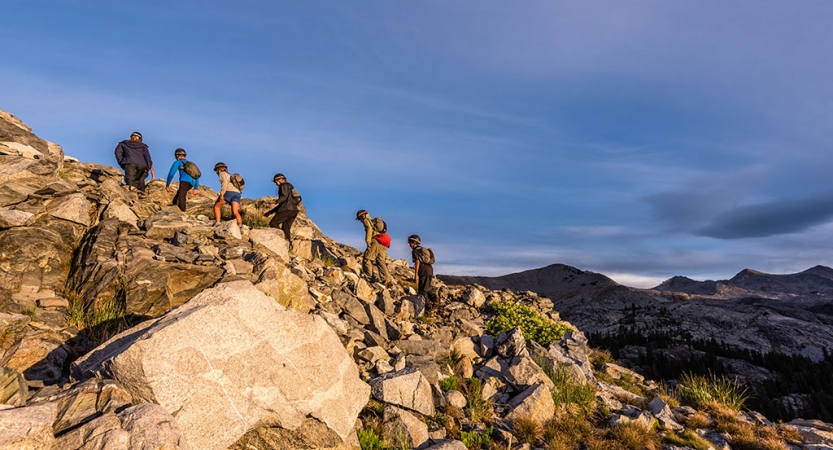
point(112, 263)
point(242, 360)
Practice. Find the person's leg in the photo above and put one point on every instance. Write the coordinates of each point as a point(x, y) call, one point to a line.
point(382, 263)
point(235, 209)
point(131, 175)
point(182, 195)
point(279, 219)
point(287, 225)
point(140, 183)
point(217, 206)
point(368, 259)
point(276, 221)
point(426, 283)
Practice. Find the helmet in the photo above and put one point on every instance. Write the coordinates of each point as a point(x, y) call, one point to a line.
point(278, 176)
point(414, 238)
point(360, 213)
point(220, 165)
point(179, 152)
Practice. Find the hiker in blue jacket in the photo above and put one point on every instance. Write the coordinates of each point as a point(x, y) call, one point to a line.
point(134, 158)
point(186, 182)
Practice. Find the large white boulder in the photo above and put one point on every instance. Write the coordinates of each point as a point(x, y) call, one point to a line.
point(270, 241)
point(231, 360)
point(27, 428)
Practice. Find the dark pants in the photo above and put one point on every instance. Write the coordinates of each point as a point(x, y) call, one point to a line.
point(134, 175)
point(181, 195)
point(425, 287)
point(284, 219)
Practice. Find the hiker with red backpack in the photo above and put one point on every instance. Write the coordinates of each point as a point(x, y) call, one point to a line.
point(378, 242)
point(189, 177)
point(285, 208)
point(423, 269)
point(229, 192)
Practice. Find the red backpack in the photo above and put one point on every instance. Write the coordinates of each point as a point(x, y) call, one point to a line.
point(383, 239)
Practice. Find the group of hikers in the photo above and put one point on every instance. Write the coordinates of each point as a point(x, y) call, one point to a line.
point(133, 156)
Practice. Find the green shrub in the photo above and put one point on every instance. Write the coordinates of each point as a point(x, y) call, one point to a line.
point(328, 260)
point(478, 408)
point(567, 391)
point(699, 390)
point(454, 357)
point(450, 384)
point(103, 319)
point(76, 316)
point(369, 440)
point(374, 406)
point(476, 440)
point(256, 220)
point(535, 327)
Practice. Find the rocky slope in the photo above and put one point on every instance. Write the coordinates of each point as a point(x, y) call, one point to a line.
point(129, 325)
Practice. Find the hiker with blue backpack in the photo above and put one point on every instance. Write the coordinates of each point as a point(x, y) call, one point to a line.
point(189, 177)
point(423, 269)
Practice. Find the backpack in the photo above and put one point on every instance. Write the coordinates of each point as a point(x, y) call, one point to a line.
point(296, 197)
point(425, 255)
point(380, 226)
point(383, 239)
point(191, 169)
point(237, 181)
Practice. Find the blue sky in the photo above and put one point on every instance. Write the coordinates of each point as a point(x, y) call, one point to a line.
point(641, 139)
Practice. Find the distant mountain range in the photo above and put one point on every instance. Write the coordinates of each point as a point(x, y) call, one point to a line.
point(769, 330)
point(791, 314)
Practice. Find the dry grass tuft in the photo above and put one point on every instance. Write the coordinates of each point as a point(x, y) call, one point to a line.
point(698, 420)
point(636, 437)
point(527, 430)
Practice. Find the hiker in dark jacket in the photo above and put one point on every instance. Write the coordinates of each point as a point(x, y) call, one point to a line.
point(186, 182)
point(423, 272)
point(376, 253)
point(285, 209)
point(134, 158)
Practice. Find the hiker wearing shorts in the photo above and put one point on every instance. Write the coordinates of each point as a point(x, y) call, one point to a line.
point(285, 209)
point(228, 194)
point(186, 182)
point(376, 253)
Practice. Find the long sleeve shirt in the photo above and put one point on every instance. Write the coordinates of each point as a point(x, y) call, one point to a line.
point(177, 166)
point(369, 230)
point(225, 184)
point(129, 152)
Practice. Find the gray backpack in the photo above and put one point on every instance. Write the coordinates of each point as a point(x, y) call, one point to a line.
point(379, 225)
point(191, 169)
point(237, 181)
point(425, 255)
